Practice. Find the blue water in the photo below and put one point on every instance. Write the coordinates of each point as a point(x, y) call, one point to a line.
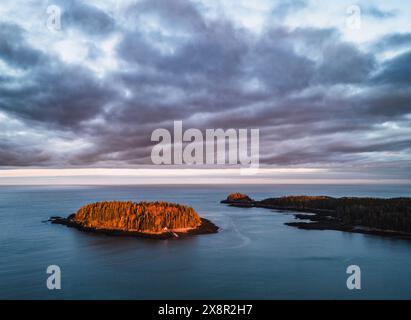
point(254, 256)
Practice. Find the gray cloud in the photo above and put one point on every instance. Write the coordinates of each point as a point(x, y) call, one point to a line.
point(344, 63)
point(378, 13)
point(317, 99)
point(13, 49)
point(14, 154)
point(86, 18)
point(57, 95)
point(396, 70)
point(287, 7)
point(393, 41)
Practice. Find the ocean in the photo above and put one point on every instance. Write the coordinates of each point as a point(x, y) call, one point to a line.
point(254, 256)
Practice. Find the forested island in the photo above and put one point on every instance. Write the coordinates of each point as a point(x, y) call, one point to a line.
point(159, 220)
point(387, 217)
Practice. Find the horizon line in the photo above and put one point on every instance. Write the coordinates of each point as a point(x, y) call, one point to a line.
point(192, 176)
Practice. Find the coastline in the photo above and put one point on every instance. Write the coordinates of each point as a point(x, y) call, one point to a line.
point(206, 227)
point(319, 219)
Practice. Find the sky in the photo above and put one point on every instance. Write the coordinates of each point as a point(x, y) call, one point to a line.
point(330, 95)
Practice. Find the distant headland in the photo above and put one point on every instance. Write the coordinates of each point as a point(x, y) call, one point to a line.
point(157, 220)
point(385, 217)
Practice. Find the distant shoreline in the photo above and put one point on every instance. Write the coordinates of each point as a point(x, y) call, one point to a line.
point(320, 218)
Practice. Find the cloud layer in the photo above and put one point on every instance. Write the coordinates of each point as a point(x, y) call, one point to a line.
point(90, 94)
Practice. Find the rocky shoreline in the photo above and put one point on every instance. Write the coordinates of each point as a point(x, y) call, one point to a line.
point(330, 224)
point(318, 218)
point(153, 220)
point(206, 227)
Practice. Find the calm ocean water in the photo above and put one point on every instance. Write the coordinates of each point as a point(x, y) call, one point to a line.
point(254, 256)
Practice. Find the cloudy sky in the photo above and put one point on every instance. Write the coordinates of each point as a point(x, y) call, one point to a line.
point(329, 90)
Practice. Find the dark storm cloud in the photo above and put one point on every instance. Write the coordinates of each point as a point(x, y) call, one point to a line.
point(189, 16)
point(288, 7)
point(396, 71)
point(393, 41)
point(275, 62)
point(214, 49)
point(389, 103)
point(14, 50)
point(86, 18)
point(367, 147)
point(315, 97)
point(52, 93)
point(344, 63)
point(338, 152)
point(57, 95)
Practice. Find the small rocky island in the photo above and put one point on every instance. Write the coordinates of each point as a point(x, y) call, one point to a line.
point(385, 217)
point(157, 220)
point(239, 200)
